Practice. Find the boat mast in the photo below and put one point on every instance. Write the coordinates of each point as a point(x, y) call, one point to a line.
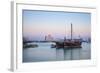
point(71, 31)
point(65, 34)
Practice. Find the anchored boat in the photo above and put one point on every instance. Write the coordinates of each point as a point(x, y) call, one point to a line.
point(69, 43)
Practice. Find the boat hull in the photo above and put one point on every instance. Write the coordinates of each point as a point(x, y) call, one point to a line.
point(69, 44)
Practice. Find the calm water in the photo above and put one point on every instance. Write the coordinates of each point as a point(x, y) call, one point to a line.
point(44, 52)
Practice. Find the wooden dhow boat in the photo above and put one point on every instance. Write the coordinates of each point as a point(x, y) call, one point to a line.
point(69, 43)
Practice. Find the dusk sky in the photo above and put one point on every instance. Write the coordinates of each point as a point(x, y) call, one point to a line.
point(37, 24)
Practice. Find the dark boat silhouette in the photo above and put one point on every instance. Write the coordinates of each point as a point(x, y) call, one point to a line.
point(69, 43)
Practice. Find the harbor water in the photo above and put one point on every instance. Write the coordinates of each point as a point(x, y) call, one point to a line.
point(44, 52)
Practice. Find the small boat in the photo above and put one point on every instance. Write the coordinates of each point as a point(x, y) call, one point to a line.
point(53, 45)
point(69, 43)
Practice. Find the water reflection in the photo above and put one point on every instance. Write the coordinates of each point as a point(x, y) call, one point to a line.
point(45, 53)
point(68, 54)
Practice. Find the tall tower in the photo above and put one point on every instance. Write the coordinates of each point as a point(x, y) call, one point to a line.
point(45, 38)
point(48, 38)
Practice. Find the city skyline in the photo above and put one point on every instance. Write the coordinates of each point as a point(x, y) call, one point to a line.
point(38, 24)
